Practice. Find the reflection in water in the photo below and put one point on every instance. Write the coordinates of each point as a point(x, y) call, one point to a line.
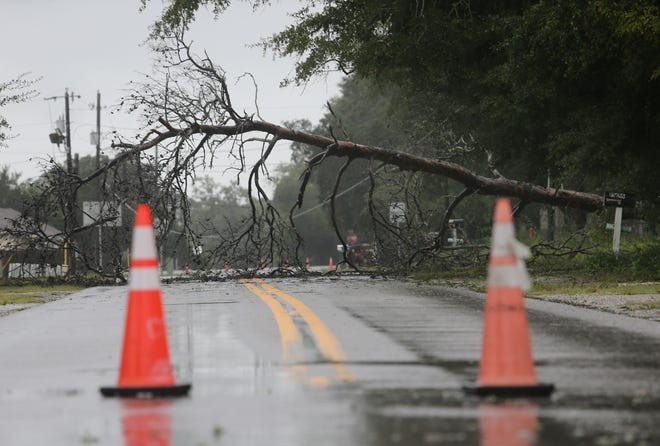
point(146, 422)
point(508, 423)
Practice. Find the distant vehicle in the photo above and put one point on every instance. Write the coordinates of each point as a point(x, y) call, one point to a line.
point(359, 254)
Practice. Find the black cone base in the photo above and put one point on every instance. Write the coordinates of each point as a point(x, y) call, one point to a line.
point(540, 389)
point(147, 391)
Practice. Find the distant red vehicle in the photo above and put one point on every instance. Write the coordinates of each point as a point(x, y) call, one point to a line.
point(359, 254)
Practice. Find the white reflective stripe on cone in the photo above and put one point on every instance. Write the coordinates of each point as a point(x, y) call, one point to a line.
point(501, 239)
point(509, 276)
point(141, 279)
point(143, 245)
point(504, 276)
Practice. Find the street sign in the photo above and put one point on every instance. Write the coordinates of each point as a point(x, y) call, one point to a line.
point(610, 227)
point(456, 223)
point(619, 199)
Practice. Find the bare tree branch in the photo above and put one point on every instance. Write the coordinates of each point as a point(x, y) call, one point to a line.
point(189, 118)
point(404, 161)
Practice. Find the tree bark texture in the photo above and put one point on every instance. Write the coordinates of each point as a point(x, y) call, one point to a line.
point(500, 186)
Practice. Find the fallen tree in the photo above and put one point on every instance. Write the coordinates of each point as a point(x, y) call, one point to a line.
point(501, 186)
point(190, 119)
point(190, 103)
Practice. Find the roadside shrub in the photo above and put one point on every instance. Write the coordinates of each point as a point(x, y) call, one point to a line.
point(640, 261)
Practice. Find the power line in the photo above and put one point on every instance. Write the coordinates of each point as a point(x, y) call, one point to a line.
point(327, 200)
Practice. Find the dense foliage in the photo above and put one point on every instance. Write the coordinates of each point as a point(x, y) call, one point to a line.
point(11, 189)
point(565, 89)
point(365, 112)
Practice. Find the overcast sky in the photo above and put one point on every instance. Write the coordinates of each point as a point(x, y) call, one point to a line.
point(90, 45)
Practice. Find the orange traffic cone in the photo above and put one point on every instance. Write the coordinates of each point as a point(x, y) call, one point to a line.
point(145, 365)
point(506, 366)
point(330, 264)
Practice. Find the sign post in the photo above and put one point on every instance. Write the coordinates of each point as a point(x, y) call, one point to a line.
point(618, 200)
point(616, 240)
point(455, 224)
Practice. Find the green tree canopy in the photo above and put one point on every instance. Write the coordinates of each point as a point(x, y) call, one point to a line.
point(11, 190)
point(565, 87)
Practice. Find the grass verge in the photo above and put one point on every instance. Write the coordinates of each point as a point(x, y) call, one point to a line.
point(570, 286)
point(633, 271)
point(31, 293)
point(546, 284)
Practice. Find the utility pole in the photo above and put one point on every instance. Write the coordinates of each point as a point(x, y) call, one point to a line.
point(71, 204)
point(67, 98)
point(98, 130)
point(69, 165)
point(98, 166)
point(70, 217)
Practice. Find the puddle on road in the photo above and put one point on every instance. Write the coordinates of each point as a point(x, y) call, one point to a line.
point(448, 417)
point(379, 416)
point(212, 302)
point(146, 422)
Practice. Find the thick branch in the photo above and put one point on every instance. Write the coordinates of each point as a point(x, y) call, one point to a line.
point(483, 185)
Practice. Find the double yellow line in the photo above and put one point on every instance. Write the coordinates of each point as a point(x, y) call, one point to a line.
point(291, 340)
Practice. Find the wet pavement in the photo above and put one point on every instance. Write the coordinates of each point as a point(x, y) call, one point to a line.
point(344, 362)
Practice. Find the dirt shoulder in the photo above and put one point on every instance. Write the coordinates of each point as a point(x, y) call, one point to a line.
point(645, 306)
point(632, 298)
point(636, 299)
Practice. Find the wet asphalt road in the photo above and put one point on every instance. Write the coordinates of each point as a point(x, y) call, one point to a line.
point(323, 362)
